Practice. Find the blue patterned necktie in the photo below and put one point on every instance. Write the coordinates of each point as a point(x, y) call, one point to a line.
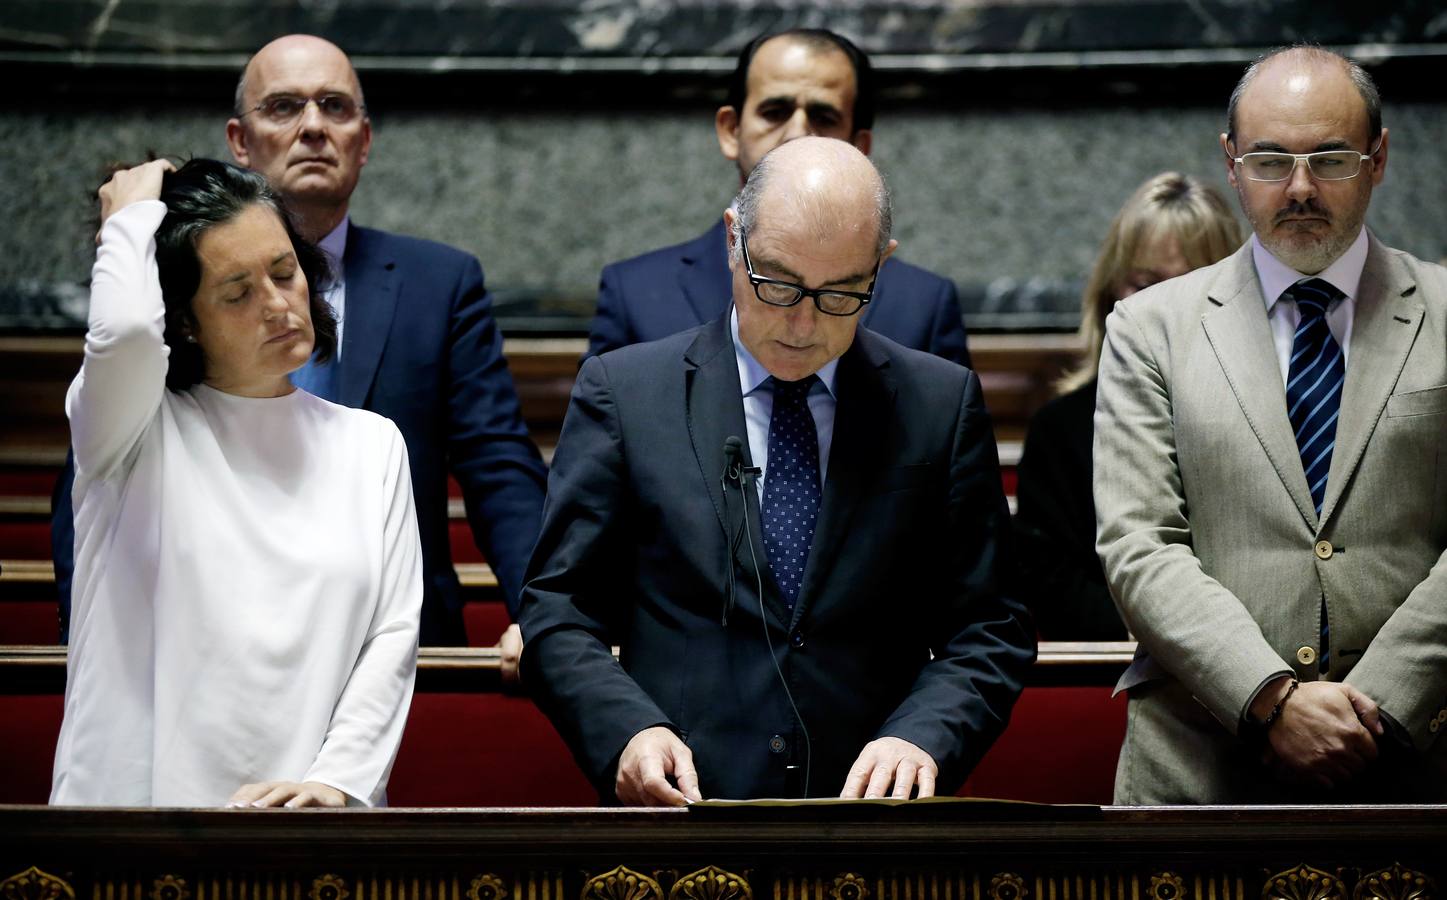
point(1314, 381)
point(791, 485)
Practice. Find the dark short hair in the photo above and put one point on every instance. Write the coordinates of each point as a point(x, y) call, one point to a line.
point(1360, 79)
point(200, 195)
point(818, 39)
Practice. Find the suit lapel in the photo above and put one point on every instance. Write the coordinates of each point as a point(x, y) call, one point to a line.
point(704, 278)
point(1384, 325)
point(372, 285)
point(1240, 335)
point(716, 413)
point(865, 400)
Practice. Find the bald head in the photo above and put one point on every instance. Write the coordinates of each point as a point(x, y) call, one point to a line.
point(1288, 65)
point(302, 122)
point(291, 50)
point(807, 236)
point(1288, 106)
point(821, 187)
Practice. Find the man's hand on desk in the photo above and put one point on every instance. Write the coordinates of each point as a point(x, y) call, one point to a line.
point(886, 762)
point(1325, 733)
point(650, 759)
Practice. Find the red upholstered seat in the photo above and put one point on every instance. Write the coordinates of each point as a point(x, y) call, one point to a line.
point(484, 750)
point(1061, 747)
point(490, 749)
point(29, 726)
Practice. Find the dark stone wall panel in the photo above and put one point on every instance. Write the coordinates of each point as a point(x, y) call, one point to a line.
point(625, 28)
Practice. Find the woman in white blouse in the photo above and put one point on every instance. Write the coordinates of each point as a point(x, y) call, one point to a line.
point(248, 574)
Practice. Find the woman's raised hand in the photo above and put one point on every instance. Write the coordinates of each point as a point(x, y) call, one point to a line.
point(131, 185)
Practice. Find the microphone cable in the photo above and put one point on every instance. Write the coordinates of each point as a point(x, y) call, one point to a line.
point(744, 488)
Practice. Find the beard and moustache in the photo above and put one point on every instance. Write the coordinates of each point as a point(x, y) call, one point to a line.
point(1302, 250)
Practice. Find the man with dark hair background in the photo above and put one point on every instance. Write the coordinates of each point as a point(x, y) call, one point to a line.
point(786, 85)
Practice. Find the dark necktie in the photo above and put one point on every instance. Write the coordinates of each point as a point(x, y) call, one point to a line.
point(1314, 381)
point(791, 486)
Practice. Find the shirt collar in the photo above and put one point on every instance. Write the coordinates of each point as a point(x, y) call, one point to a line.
point(334, 245)
point(1344, 274)
point(753, 375)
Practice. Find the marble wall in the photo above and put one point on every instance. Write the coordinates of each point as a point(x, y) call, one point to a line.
point(992, 198)
point(552, 138)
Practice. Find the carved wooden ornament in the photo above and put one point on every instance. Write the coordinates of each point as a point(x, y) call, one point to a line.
point(622, 883)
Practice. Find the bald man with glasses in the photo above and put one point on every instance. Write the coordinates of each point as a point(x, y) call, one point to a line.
point(417, 341)
point(791, 525)
point(1270, 482)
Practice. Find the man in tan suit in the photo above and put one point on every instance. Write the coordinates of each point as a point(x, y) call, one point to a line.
point(1271, 487)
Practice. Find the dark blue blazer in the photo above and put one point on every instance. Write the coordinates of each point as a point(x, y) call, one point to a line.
point(683, 286)
point(906, 562)
point(420, 347)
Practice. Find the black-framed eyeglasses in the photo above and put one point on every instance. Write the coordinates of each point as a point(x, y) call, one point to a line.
point(787, 293)
point(285, 109)
point(1325, 165)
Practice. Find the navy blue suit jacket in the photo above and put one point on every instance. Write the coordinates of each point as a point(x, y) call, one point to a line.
point(907, 561)
point(420, 347)
point(680, 287)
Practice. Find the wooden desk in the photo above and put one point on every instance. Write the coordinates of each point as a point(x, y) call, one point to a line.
point(961, 851)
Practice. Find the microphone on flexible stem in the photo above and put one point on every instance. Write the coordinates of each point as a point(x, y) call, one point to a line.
point(733, 451)
point(733, 459)
point(742, 476)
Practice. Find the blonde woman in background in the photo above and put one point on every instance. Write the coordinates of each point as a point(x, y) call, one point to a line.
point(1171, 224)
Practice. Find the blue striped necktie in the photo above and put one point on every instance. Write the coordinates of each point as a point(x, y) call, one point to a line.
point(1314, 382)
point(791, 485)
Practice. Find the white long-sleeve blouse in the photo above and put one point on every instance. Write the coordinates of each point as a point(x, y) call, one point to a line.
point(247, 572)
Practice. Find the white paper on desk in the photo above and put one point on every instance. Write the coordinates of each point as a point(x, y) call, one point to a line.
point(882, 801)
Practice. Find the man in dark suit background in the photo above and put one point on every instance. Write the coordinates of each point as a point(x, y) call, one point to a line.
point(417, 340)
point(842, 630)
point(787, 85)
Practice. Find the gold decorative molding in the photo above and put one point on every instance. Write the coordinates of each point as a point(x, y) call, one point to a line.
point(849, 886)
point(1167, 886)
point(1303, 883)
point(1008, 886)
point(329, 887)
point(169, 887)
point(1395, 882)
point(622, 883)
point(711, 883)
point(487, 887)
point(33, 884)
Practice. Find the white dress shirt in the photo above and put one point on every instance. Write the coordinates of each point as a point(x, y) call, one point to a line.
point(759, 406)
point(1345, 274)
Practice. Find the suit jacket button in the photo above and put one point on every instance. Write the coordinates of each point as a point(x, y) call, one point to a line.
point(797, 639)
point(777, 744)
point(1306, 655)
point(1323, 549)
point(1433, 726)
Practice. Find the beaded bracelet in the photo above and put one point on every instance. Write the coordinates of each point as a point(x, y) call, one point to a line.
point(1275, 713)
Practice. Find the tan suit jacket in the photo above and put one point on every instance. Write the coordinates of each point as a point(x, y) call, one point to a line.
point(1216, 556)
